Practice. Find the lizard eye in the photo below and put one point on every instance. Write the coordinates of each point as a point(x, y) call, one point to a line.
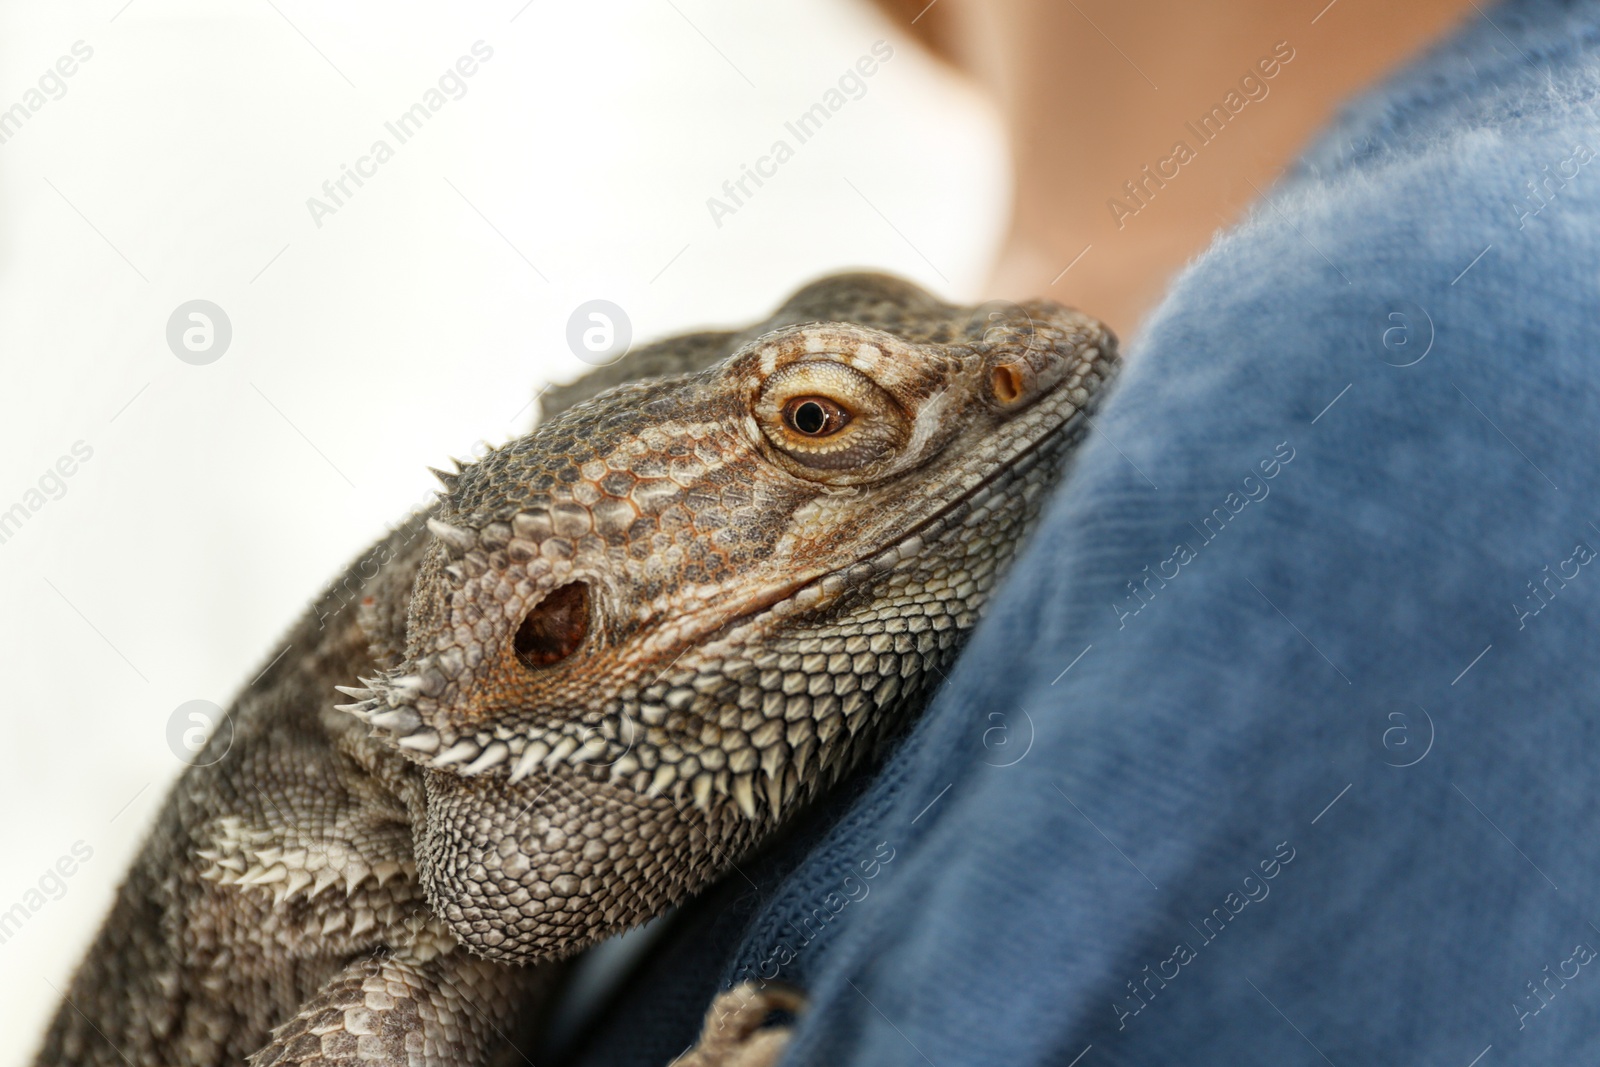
point(829, 421)
point(814, 416)
point(554, 628)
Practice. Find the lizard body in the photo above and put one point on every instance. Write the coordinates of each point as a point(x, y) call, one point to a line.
point(614, 657)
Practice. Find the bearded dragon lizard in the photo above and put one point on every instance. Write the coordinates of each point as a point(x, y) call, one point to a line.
point(612, 658)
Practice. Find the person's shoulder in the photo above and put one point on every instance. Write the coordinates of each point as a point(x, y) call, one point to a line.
point(1468, 187)
point(1524, 65)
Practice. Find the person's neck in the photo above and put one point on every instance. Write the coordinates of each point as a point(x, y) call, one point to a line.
point(1139, 129)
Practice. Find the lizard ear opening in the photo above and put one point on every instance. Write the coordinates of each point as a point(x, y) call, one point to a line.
point(554, 628)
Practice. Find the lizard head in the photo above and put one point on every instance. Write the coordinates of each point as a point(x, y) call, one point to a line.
point(650, 629)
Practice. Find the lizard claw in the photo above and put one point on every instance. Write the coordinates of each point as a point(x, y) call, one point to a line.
point(736, 1033)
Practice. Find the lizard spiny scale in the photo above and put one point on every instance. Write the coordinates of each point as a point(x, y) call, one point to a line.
point(607, 663)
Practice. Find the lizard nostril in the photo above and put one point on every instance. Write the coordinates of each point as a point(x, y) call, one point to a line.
point(1006, 381)
point(555, 627)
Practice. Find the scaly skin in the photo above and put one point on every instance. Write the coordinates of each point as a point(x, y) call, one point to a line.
point(613, 658)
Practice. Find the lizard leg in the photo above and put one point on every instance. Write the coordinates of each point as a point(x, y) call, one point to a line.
point(390, 1011)
point(736, 1033)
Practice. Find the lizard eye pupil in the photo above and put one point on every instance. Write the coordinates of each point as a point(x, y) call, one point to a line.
point(810, 418)
point(555, 627)
point(814, 416)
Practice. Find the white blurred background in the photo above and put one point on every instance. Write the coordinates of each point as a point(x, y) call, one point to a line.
point(175, 164)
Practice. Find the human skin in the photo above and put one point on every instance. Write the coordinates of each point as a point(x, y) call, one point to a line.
point(1091, 91)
